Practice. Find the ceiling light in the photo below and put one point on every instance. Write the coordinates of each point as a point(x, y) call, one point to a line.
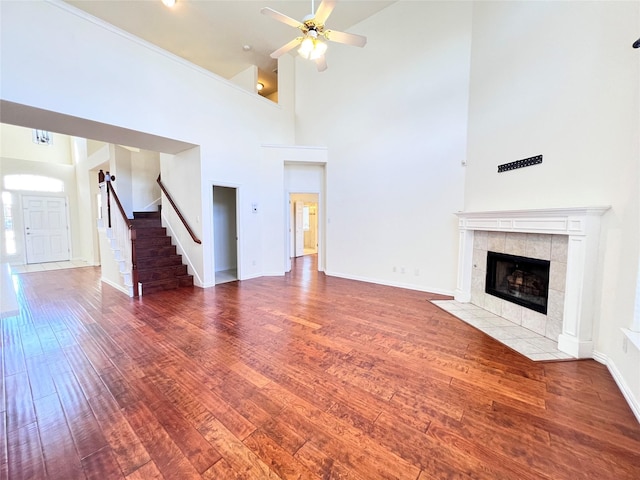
point(312, 48)
point(168, 3)
point(319, 50)
point(259, 86)
point(306, 47)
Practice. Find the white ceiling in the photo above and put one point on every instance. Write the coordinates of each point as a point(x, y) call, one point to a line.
point(212, 33)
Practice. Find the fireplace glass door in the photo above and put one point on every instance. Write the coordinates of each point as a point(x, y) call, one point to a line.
point(521, 280)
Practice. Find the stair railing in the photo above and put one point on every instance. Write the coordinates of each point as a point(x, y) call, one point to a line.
point(122, 230)
point(177, 210)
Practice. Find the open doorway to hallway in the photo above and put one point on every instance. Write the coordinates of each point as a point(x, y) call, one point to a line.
point(304, 224)
point(225, 234)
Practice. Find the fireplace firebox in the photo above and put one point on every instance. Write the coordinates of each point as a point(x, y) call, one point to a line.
point(521, 280)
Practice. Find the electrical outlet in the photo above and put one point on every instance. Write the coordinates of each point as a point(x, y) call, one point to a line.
point(401, 269)
point(416, 272)
point(395, 269)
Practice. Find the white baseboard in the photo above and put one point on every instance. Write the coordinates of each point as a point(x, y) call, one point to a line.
point(121, 288)
point(377, 281)
point(633, 402)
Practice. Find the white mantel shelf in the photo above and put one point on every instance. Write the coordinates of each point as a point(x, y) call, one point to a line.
point(582, 226)
point(562, 221)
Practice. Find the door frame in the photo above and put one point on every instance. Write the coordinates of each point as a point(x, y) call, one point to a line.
point(318, 188)
point(289, 225)
point(22, 196)
point(291, 252)
point(214, 184)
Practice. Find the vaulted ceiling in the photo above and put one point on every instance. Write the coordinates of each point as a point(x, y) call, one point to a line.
point(214, 34)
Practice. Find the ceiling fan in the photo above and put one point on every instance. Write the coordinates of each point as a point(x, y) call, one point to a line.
point(314, 34)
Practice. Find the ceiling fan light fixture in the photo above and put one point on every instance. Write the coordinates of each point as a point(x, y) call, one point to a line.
point(319, 50)
point(168, 3)
point(306, 47)
point(313, 42)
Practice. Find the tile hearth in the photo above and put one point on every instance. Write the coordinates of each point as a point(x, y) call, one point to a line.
point(524, 341)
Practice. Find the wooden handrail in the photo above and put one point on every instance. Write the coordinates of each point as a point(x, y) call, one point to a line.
point(182, 219)
point(111, 191)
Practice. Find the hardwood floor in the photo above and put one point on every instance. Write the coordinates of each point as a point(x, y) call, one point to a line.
point(302, 376)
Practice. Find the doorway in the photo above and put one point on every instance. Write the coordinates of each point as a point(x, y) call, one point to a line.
point(46, 229)
point(304, 224)
point(225, 234)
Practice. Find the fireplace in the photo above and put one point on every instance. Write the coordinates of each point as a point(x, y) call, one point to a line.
point(521, 280)
point(568, 237)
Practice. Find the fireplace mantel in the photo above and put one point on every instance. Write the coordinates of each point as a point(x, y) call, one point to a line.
point(562, 221)
point(582, 226)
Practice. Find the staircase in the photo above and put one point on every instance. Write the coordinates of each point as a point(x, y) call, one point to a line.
point(159, 267)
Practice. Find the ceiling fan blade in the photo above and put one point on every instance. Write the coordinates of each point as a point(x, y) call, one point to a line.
point(285, 48)
point(321, 63)
point(346, 38)
point(324, 10)
point(281, 17)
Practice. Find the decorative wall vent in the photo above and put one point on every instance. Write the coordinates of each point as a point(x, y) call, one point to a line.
point(525, 162)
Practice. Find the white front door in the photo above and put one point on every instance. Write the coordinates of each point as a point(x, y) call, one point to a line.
point(46, 229)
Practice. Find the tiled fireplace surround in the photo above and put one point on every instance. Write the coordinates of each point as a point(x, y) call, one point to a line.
point(532, 245)
point(567, 237)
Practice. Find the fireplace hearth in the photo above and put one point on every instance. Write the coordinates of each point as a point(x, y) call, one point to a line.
point(521, 280)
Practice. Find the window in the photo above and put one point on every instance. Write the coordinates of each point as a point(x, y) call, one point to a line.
point(305, 218)
point(33, 183)
point(9, 230)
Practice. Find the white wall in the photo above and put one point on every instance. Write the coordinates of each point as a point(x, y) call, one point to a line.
point(393, 117)
point(17, 142)
point(87, 190)
point(181, 177)
point(561, 79)
point(103, 75)
point(120, 168)
point(277, 163)
point(145, 167)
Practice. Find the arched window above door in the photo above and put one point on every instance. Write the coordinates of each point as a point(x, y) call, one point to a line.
point(33, 183)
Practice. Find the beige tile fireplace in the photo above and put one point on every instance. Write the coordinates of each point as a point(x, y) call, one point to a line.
point(567, 237)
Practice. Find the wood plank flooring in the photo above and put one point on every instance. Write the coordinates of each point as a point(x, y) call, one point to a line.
point(296, 377)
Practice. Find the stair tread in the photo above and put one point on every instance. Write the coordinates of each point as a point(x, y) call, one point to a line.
point(173, 283)
point(159, 261)
point(160, 241)
point(166, 280)
point(155, 251)
point(144, 222)
point(137, 215)
point(161, 267)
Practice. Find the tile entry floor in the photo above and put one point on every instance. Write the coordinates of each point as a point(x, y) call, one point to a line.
point(42, 267)
point(524, 341)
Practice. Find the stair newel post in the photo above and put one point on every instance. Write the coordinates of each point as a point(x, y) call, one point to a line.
point(108, 183)
point(134, 261)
